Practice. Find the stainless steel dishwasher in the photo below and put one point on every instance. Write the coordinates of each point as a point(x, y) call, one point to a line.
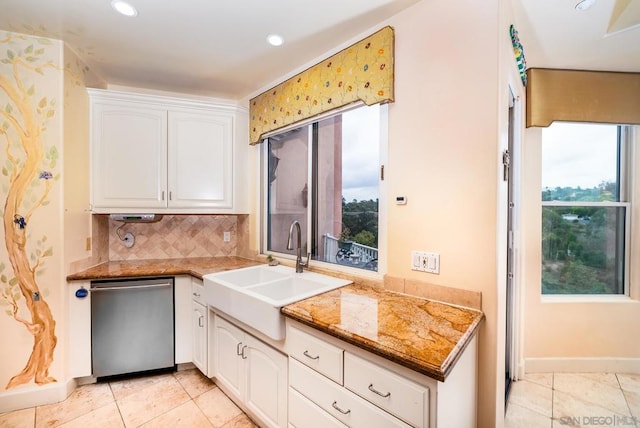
point(132, 326)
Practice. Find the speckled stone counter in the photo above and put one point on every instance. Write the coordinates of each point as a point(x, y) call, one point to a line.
point(196, 267)
point(424, 335)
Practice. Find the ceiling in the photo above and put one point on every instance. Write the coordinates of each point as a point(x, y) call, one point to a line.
point(556, 35)
point(205, 47)
point(216, 48)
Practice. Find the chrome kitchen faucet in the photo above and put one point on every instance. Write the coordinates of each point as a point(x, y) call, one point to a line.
point(299, 263)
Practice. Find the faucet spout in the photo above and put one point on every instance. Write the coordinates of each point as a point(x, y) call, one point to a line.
point(299, 264)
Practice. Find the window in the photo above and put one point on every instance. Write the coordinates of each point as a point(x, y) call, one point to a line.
point(325, 175)
point(585, 208)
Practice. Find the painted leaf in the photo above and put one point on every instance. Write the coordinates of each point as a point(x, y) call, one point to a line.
point(5, 61)
point(5, 172)
point(48, 252)
point(3, 278)
point(44, 41)
point(31, 90)
point(17, 296)
point(43, 102)
point(10, 54)
point(29, 49)
point(39, 51)
point(8, 312)
point(13, 281)
point(8, 109)
point(31, 59)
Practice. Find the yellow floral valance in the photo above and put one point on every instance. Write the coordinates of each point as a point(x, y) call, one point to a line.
point(363, 71)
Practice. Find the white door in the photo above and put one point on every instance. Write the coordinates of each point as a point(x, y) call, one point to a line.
point(266, 382)
point(228, 362)
point(128, 154)
point(199, 329)
point(200, 159)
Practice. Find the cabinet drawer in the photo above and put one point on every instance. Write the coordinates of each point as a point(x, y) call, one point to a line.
point(340, 403)
point(304, 414)
point(315, 353)
point(389, 391)
point(197, 291)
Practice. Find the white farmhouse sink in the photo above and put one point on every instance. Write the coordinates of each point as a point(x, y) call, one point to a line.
point(254, 295)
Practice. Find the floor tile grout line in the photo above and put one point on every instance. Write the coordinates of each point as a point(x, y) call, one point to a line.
point(117, 405)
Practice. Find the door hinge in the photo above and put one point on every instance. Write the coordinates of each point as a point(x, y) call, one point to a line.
point(506, 163)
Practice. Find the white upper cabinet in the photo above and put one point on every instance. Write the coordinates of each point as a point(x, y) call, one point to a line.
point(164, 154)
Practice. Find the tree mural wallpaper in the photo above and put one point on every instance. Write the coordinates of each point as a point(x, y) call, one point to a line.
point(28, 172)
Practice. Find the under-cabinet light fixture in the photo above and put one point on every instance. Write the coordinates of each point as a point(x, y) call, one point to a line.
point(124, 8)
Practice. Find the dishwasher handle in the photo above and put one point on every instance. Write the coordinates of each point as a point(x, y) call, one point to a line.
point(132, 287)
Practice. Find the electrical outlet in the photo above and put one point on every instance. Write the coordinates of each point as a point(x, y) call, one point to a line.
point(226, 236)
point(423, 261)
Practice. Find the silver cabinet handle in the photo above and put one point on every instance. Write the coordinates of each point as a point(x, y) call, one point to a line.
point(163, 195)
point(335, 406)
point(375, 391)
point(244, 357)
point(196, 294)
point(200, 321)
point(306, 354)
point(238, 352)
point(170, 195)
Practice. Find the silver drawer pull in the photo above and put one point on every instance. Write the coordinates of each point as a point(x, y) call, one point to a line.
point(375, 391)
point(238, 352)
point(335, 406)
point(196, 294)
point(306, 354)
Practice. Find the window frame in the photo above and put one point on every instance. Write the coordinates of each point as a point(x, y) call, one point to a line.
point(382, 208)
point(625, 160)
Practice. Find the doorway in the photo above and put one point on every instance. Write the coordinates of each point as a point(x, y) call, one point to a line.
point(510, 168)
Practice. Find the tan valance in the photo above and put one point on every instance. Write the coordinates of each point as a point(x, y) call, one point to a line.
point(582, 96)
point(363, 71)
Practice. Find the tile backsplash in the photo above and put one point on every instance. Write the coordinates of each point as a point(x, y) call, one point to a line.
point(176, 236)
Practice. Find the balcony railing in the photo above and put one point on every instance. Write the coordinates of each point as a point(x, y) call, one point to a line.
point(349, 253)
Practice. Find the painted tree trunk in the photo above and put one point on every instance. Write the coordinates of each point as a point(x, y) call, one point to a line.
point(22, 130)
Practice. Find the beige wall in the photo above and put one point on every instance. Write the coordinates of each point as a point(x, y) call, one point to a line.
point(447, 129)
point(607, 331)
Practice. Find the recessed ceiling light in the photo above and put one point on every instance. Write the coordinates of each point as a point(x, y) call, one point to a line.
point(124, 8)
point(585, 4)
point(275, 40)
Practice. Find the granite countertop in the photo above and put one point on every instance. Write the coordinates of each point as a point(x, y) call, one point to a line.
point(424, 335)
point(195, 266)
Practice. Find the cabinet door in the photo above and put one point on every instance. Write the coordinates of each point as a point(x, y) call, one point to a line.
point(183, 319)
point(199, 329)
point(266, 382)
point(128, 155)
point(227, 349)
point(200, 159)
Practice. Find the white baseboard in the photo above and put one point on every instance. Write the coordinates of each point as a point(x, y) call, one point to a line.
point(33, 395)
point(582, 365)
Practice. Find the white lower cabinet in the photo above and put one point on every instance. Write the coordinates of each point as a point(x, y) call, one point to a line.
point(337, 401)
point(350, 389)
point(199, 323)
point(253, 372)
point(304, 413)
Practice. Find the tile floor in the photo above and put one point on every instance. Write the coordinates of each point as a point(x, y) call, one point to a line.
point(555, 400)
point(181, 399)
